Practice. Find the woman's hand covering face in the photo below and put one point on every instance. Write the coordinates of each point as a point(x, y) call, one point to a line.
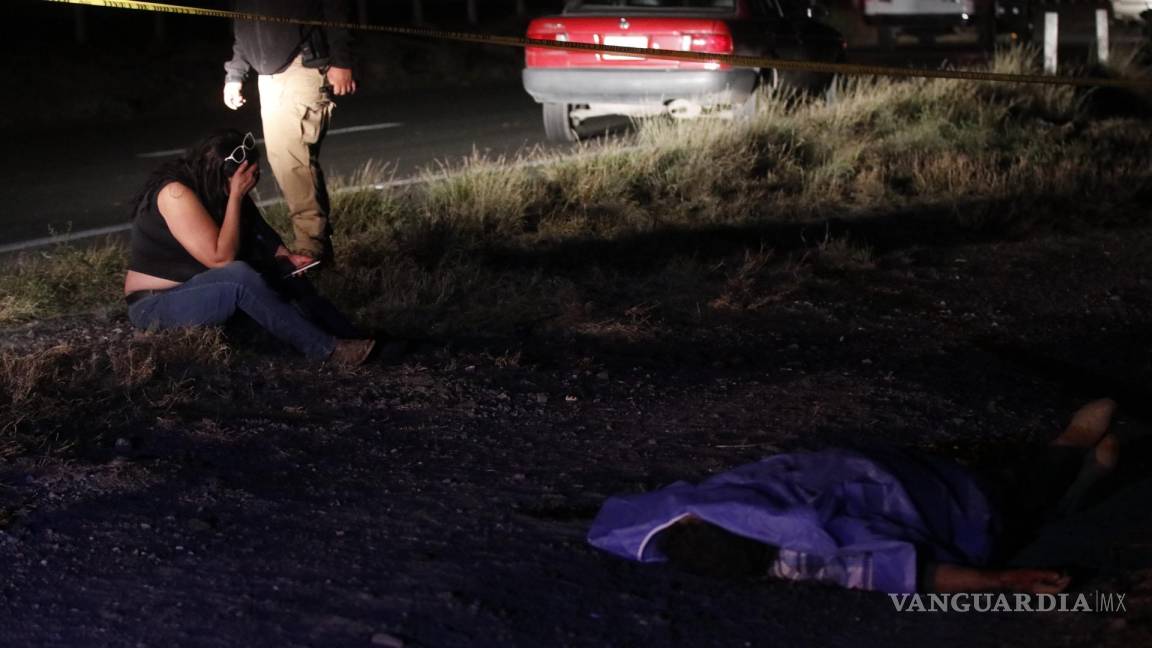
point(244, 179)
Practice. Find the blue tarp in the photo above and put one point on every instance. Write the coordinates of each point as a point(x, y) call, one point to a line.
point(858, 520)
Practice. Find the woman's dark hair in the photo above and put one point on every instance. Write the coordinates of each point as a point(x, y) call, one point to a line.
point(203, 168)
point(708, 550)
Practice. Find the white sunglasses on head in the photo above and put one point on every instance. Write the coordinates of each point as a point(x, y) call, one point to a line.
point(246, 145)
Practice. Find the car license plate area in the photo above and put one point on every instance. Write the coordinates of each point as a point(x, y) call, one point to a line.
point(625, 41)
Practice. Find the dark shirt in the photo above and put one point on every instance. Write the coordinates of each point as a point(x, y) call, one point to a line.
point(155, 251)
point(269, 48)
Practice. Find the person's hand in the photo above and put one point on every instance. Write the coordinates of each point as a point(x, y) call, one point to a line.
point(244, 179)
point(297, 260)
point(341, 81)
point(1034, 581)
point(233, 94)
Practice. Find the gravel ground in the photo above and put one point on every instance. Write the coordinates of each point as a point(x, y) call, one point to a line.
point(443, 500)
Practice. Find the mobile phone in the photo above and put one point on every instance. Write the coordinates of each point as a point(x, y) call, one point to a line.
point(302, 269)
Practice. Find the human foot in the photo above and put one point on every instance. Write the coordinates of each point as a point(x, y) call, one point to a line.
point(1088, 425)
point(1099, 463)
point(351, 353)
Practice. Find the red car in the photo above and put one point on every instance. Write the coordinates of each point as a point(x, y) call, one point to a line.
point(575, 86)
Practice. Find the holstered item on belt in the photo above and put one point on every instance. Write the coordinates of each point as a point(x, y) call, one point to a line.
point(314, 50)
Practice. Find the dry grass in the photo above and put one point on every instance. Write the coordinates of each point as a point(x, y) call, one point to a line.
point(44, 392)
point(496, 245)
point(63, 279)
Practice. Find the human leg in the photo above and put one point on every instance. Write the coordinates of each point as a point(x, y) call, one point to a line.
point(1100, 462)
point(1057, 480)
point(316, 308)
point(214, 296)
point(1056, 469)
point(1088, 431)
point(295, 111)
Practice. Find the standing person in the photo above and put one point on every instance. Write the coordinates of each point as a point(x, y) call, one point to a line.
point(300, 69)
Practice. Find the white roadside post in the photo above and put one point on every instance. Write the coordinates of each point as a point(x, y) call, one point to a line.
point(1051, 29)
point(1102, 36)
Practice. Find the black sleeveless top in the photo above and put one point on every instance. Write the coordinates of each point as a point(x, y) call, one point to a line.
point(155, 251)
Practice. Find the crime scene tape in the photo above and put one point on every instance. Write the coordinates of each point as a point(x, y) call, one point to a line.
point(735, 60)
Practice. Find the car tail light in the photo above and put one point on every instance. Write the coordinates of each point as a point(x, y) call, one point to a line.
point(708, 43)
point(544, 30)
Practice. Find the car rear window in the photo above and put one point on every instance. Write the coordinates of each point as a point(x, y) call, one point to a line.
point(653, 4)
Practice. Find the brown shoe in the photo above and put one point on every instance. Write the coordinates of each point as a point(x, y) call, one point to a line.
point(351, 353)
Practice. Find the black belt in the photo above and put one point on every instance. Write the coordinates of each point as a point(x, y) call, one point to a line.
point(138, 295)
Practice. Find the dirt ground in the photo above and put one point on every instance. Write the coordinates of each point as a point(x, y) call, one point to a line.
point(443, 500)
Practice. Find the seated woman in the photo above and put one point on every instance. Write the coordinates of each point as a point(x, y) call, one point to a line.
point(882, 521)
point(201, 252)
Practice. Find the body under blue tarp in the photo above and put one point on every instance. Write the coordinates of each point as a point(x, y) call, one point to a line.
point(865, 521)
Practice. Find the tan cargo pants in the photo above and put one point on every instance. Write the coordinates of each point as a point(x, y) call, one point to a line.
point(295, 107)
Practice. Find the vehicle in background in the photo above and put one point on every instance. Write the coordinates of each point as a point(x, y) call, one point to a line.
point(1023, 20)
point(1017, 19)
point(574, 86)
point(927, 19)
point(1131, 10)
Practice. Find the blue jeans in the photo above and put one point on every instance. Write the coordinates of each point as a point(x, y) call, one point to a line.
point(213, 297)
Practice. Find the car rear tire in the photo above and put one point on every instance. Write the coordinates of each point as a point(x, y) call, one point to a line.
point(558, 122)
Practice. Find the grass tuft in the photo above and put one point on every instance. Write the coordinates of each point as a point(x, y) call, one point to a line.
point(63, 279)
point(45, 391)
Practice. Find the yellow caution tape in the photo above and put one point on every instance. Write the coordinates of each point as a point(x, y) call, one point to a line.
point(734, 60)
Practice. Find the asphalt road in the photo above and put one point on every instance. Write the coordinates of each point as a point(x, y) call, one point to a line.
point(52, 183)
